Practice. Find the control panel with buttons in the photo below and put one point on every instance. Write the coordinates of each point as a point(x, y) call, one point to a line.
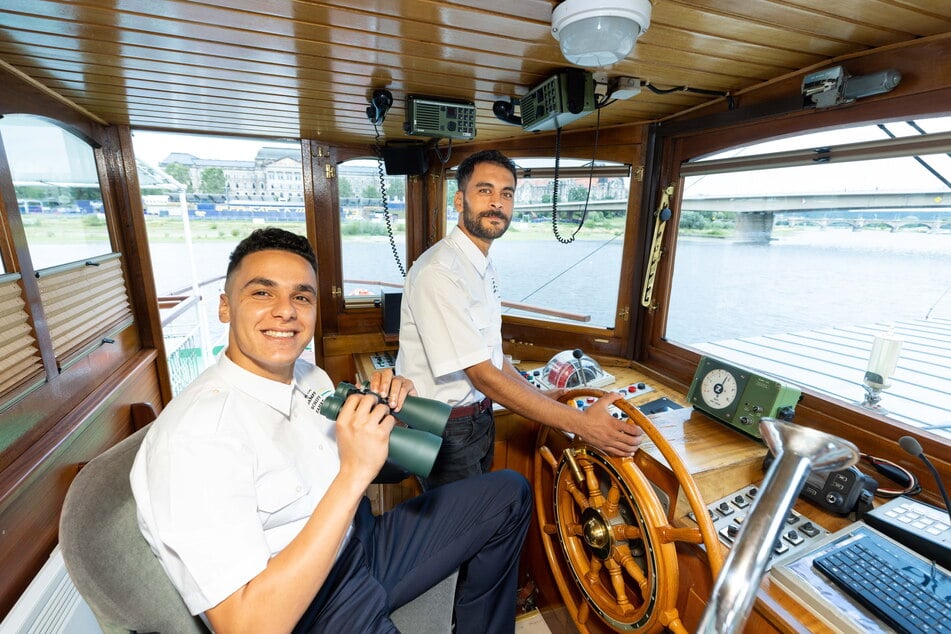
point(632, 390)
point(728, 514)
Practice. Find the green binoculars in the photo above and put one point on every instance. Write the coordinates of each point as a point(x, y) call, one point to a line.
point(413, 447)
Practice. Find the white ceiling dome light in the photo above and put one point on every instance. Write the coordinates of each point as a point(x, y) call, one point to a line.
point(598, 33)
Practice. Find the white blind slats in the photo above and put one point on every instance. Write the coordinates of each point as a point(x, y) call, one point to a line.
point(19, 355)
point(82, 303)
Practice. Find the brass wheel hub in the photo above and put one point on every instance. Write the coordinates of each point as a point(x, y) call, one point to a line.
point(597, 534)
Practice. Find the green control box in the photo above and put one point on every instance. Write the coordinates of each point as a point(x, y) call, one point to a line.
point(740, 397)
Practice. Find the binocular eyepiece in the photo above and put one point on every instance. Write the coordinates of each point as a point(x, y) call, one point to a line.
point(413, 447)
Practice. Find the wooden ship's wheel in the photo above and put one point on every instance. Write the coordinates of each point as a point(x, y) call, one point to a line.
point(607, 536)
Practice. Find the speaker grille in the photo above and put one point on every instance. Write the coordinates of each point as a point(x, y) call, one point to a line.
point(427, 117)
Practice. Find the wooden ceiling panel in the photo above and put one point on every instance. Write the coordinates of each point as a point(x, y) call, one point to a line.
point(287, 68)
point(760, 21)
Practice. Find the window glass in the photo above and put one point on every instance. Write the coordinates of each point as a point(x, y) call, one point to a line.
point(563, 242)
point(57, 189)
point(857, 134)
point(202, 195)
point(372, 230)
point(795, 271)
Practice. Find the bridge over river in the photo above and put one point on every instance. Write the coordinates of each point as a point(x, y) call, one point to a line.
point(756, 215)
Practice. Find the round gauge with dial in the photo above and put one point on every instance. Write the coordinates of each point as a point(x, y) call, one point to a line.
point(718, 388)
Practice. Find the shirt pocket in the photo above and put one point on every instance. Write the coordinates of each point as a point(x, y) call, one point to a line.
point(482, 319)
point(280, 489)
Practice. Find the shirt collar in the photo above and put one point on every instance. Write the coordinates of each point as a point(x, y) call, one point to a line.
point(474, 254)
point(274, 394)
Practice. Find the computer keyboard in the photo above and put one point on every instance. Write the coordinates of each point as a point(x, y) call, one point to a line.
point(908, 593)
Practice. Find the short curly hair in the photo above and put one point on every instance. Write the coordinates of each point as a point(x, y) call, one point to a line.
point(272, 238)
point(465, 169)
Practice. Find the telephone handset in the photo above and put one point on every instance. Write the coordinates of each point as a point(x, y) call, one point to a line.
point(380, 103)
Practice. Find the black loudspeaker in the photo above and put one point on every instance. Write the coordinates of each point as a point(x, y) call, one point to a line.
point(391, 312)
point(405, 158)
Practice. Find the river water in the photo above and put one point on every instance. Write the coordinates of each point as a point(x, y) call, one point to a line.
point(807, 280)
point(800, 281)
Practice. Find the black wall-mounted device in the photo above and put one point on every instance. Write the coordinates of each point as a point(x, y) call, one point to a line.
point(391, 304)
point(505, 111)
point(405, 158)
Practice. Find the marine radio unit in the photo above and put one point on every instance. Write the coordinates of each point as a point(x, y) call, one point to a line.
point(441, 118)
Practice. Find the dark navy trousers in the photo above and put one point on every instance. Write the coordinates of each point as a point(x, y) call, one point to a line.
point(476, 525)
point(468, 449)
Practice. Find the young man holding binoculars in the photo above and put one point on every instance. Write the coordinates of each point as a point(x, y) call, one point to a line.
point(253, 499)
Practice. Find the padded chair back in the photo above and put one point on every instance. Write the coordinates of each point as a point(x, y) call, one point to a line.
point(106, 556)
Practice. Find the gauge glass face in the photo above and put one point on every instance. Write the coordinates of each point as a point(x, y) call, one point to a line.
point(718, 388)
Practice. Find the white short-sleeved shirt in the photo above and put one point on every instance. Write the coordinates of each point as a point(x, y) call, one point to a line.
point(450, 319)
point(229, 473)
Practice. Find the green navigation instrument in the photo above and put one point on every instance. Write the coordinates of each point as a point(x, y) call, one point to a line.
point(739, 397)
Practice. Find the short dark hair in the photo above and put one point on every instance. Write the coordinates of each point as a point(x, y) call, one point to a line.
point(272, 238)
point(465, 169)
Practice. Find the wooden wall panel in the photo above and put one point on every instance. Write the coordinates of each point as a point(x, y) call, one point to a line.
point(29, 512)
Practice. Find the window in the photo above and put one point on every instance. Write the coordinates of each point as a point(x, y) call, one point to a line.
point(77, 279)
point(791, 266)
point(372, 230)
point(57, 188)
point(549, 264)
point(202, 195)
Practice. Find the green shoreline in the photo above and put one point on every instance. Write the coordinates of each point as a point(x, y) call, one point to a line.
point(56, 229)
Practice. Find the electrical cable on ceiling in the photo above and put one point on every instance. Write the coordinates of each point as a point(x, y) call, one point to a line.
point(554, 197)
point(699, 91)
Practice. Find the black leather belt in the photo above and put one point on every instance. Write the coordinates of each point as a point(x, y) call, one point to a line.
point(475, 409)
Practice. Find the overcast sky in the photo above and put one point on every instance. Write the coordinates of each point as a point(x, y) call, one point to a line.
point(154, 147)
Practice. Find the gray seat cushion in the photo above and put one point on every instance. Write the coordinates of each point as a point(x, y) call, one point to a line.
point(431, 612)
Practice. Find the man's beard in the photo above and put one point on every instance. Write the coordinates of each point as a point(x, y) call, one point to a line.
point(473, 222)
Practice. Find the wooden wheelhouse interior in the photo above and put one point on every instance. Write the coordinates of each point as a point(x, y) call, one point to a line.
point(304, 70)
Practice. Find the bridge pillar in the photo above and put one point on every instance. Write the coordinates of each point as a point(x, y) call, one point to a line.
point(754, 226)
